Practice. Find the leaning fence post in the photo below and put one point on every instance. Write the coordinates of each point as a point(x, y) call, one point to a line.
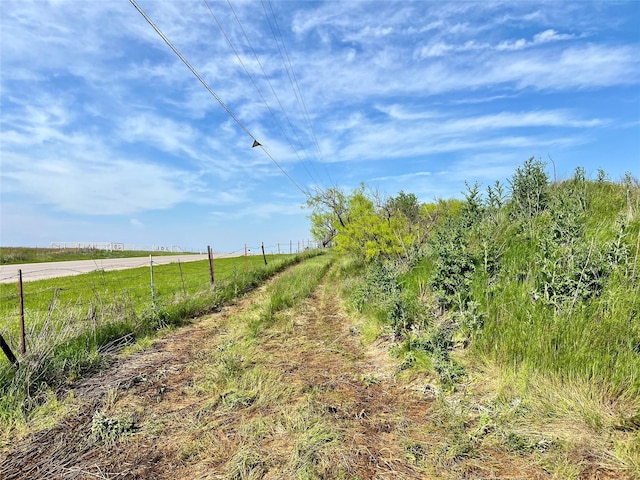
point(246, 260)
point(23, 344)
point(263, 255)
point(211, 273)
point(7, 351)
point(184, 290)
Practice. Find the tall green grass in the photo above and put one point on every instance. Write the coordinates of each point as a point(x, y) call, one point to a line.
point(589, 333)
point(531, 309)
point(287, 291)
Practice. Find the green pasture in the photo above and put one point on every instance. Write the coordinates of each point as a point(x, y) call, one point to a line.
point(132, 287)
point(71, 322)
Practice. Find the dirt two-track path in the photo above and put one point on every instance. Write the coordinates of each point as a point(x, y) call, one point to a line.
point(366, 424)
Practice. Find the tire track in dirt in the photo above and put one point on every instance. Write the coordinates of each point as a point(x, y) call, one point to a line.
point(354, 389)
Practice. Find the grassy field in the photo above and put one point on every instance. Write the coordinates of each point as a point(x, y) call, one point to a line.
point(15, 255)
point(133, 286)
point(72, 321)
point(285, 384)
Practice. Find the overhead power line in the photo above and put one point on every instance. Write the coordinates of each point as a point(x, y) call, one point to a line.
point(213, 93)
point(286, 61)
point(255, 85)
point(284, 111)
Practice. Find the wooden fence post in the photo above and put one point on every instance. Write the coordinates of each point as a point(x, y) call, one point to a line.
point(246, 260)
point(211, 272)
point(263, 255)
point(23, 343)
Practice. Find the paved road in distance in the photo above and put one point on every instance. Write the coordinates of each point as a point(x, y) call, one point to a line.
point(40, 271)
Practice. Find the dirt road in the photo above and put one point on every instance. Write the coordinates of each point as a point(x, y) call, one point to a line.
point(299, 398)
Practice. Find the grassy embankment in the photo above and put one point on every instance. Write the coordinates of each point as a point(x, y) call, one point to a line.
point(16, 255)
point(523, 313)
point(73, 321)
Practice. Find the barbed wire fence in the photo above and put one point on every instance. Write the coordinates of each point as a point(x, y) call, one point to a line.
point(36, 315)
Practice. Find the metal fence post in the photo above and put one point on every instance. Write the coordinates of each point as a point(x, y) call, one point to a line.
point(23, 343)
point(184, 290)
point(153, 291)
point(7, 351)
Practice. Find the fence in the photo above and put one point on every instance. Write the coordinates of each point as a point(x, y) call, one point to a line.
point(114, 246)
point(32, 311)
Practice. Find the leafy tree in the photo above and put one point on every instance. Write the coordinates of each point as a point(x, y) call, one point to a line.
point(367, 234)
point(322, 227)
point(329, 211)
point(407, 205)
point(364, 224)
point(410, 222)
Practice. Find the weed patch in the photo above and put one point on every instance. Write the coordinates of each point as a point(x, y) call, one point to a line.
point(105, 429)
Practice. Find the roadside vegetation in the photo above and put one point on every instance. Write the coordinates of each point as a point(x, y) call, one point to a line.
point(495, 336)
point(17, 255)
point(73, 323)
point(519, 306)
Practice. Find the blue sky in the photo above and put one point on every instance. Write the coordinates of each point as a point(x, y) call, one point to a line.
point(106, 136)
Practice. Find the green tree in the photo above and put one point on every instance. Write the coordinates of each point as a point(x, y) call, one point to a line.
point(329, 211)
point(367, 234)
point(530, 189)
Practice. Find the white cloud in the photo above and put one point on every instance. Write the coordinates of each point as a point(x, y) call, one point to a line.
point(161, 132)
point(401, 178)
point(551, 35)
point(405, 134)
point(90, 187)
point(547, 36)
point(268, 210)
point(590, 66)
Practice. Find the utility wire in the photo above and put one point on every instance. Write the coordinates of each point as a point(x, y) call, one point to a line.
point(264, 100)
point(295, 132)
point(292, 76)
point(214, 94)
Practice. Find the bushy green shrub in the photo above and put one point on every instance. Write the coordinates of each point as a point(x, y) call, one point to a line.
point(529, 189)
point(545, 280)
